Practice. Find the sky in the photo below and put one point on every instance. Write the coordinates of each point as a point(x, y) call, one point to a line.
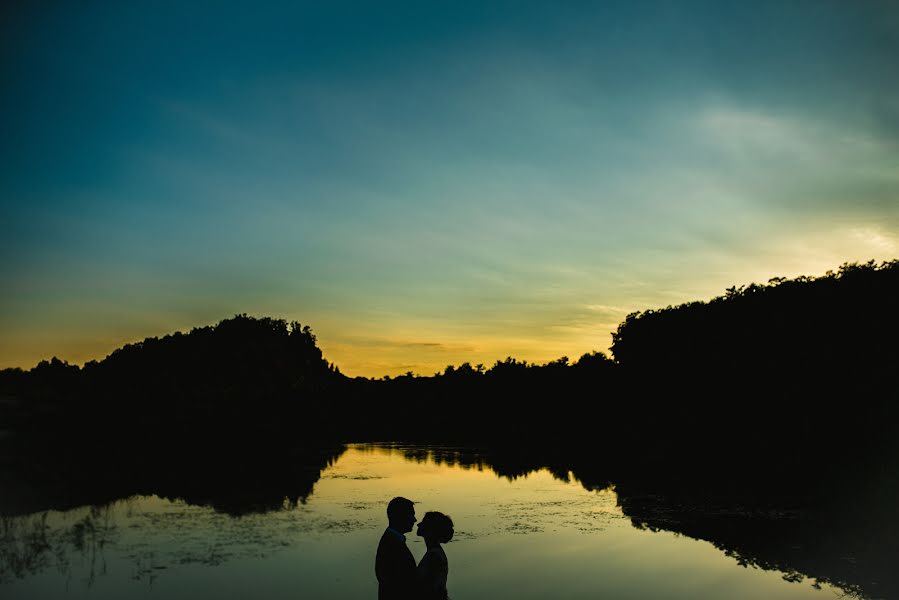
point(428, 183)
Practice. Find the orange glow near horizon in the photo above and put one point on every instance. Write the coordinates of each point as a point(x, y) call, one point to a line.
point(423, 347)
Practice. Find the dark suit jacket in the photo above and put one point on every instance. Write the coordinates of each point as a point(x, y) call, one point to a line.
point(396, 569)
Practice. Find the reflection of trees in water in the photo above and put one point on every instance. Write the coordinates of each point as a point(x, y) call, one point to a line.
point(30, 545)
point(507, 464)
point(89, 537)
point(250, 481)
point(851, 551)
point(149, 536)
point(466, 458)
point(849, 541)
point(798, 544)
point(24, 546)
point(234, 480)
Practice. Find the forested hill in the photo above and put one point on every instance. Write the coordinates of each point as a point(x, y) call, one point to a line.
point(788, 385)
point(797, 339)
point(242, 355)
point(238, 355)
point(245, 373)
point(785, 348)
point(793, 381)
point(786, 336)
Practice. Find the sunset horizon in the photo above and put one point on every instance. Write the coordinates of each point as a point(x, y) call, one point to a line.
point(431, 185)
point(532, 351)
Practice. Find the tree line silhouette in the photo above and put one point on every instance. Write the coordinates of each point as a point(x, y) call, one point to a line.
point(218, 415)
point(776, 396)
point(790, 382)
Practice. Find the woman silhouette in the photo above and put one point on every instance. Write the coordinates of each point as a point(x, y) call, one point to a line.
point(436, 528)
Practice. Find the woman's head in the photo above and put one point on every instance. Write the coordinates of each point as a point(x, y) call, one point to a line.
point(436, 526)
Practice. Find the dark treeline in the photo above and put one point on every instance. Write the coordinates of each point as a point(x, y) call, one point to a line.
point(222, 415)
point(244, 374)
point(791, 383)
point(776, 397)
point(797, 372)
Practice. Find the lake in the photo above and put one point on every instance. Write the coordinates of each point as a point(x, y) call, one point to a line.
point(533, 536)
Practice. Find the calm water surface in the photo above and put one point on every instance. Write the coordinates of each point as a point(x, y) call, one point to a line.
point(531, 537)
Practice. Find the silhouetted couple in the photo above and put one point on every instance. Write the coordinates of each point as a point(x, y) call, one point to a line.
point(398, 576)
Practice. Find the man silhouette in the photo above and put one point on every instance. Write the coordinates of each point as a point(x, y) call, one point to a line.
point(394, 565)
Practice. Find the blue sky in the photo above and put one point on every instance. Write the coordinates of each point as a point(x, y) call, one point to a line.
point(427, 184)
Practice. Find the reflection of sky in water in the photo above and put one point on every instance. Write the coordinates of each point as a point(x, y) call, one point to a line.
point(531, 537)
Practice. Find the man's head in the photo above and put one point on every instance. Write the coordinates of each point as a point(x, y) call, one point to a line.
point(401, 514)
